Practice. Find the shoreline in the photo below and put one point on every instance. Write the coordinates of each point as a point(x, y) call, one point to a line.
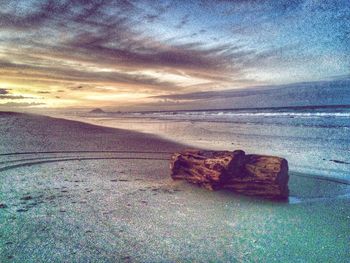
point(81, 192)
point(153, 136)
point(203, 134)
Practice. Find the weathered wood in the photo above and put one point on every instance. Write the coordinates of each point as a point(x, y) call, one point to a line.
point(252, 174)
point(262, 175)
point(206, 168)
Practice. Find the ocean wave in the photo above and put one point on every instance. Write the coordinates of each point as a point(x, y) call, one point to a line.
point(259, 114)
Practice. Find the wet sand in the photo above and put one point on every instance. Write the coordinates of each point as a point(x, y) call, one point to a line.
point(74, 192)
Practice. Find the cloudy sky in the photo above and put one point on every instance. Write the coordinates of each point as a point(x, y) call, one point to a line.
point(113, 53)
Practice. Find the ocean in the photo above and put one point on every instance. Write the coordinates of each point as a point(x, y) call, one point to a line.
point(314, 140)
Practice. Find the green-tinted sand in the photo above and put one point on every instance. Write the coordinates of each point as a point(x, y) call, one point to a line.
point(115, 210)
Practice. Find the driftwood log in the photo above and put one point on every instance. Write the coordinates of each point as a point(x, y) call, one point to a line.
point(251, 174)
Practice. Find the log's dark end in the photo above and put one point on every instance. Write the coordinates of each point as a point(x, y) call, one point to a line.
point(268, 175)
point(283, 179)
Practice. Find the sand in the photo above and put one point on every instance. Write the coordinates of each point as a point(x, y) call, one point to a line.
point(75, 192)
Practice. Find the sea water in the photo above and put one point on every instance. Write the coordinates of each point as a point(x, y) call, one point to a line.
point(314, 140)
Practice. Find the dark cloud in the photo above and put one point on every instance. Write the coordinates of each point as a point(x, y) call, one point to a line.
point(5, 94)
point(317, 93)
point(185, 19)
point(76, 87)
point(20, 104)
point(60, 74)
point(151, 18)
point(29, 16)
point(35, 14)
point(103, 32)
point(316, 88)
point(135, 51)
point(13, 97)
point(210, 94)
point(157, 10)
point(4, 91)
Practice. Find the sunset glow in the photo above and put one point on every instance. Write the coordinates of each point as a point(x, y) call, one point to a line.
point(116, 53)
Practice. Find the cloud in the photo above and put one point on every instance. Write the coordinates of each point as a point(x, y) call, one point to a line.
point(35, 14)
point(105, 33)
point(137, 52)
point(151, 18)
point(335, 83)
point(20, 104)
point(183, 21)
point(333, 91)
point(168, 47)
point(4, 91)
point(76, 87)
point(60, 74)
point(14, 97)
point(5, 95)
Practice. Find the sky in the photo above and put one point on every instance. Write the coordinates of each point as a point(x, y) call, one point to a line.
point(124, 53)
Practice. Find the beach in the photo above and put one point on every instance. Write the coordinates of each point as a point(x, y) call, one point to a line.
point(314, 140)
point(78, 192)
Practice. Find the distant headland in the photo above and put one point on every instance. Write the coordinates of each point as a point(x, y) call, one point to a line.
point(97, 111)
